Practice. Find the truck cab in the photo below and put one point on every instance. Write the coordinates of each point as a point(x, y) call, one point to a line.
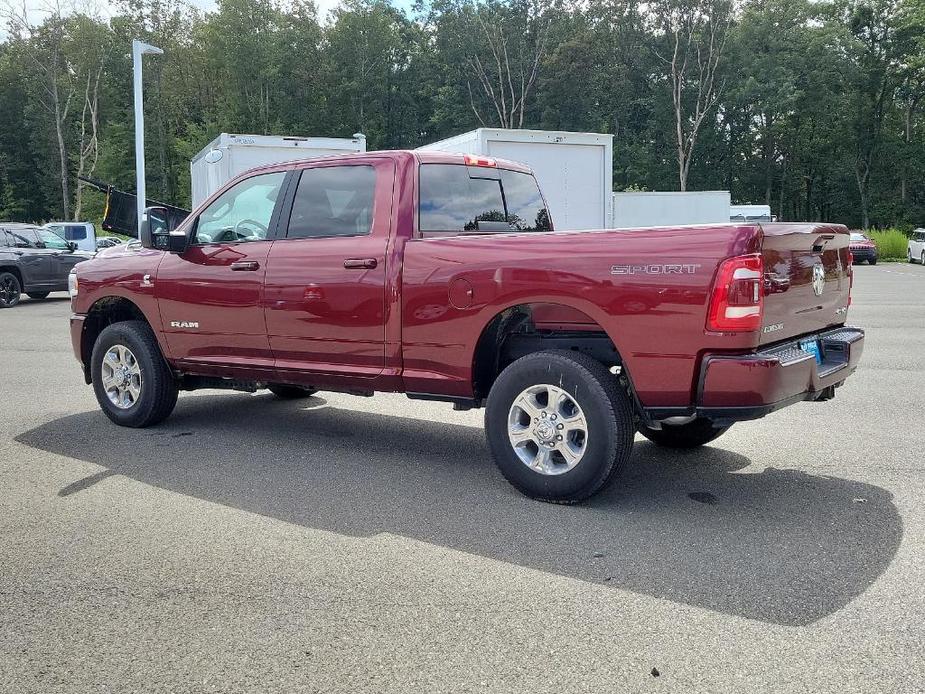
point(81, 234)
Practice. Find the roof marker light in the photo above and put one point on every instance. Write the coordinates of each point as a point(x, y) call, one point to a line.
point(475, 160)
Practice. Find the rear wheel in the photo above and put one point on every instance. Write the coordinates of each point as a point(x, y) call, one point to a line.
point(559, 425)
point(38, 296)
point(132, 382)
point(690, 435)
point(287, 392)
point(10, 290)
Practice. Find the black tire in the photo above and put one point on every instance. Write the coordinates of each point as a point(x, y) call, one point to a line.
point(158, 388)
point(288, 392)
point(690, 435)
point(607, 411)
point(38, 296)
point(10, 290)
point(872, 261)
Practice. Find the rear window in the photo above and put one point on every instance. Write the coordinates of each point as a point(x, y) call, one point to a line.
point(457, 198)
point(75, 232)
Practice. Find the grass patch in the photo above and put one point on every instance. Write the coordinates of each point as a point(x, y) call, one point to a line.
point(891, 243)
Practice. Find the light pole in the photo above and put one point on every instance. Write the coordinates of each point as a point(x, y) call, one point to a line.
point(140, 48)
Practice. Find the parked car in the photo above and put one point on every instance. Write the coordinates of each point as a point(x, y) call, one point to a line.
point(34, 260)
point(82, 234)
point(915, 248)
point(862, 248)
point(107, 242)
point(440, 275)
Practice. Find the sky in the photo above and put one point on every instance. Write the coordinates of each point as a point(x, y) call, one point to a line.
point(38, 9)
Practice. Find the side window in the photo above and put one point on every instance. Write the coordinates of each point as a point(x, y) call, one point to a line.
point(242, 213)
point(456, 199)
point(526, 210)
point(23, 238)
point(452, 201)
point(53, 240)
point(333, 201)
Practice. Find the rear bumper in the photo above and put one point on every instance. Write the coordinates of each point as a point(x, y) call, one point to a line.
point(748, 386)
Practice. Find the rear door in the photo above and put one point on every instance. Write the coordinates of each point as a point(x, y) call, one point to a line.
point(326, 274)
point(806, 278)
point(210, 296)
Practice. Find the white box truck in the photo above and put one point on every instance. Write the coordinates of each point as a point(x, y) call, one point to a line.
point(229, 155)
point(574, 170)
point(656, 209)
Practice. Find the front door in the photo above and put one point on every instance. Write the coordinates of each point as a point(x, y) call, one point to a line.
point(326, 274)
point(63, 257)
point(210, 296)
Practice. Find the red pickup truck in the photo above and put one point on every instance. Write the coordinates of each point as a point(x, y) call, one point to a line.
point(441, 276)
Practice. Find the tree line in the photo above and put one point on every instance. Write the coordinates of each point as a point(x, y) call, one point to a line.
point(811, 106)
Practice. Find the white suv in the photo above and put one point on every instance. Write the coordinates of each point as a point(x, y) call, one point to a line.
point(916, 247)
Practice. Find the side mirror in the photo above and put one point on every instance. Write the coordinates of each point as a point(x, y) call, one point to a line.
point(72, 246)
point(155, 231)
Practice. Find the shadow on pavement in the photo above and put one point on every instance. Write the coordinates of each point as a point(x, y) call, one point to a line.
point(780, 546)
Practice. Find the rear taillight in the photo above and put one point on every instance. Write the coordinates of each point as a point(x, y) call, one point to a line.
point(738, 295)
point(850, 275)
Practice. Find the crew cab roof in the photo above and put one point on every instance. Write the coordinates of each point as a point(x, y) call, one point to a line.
point(422, 156)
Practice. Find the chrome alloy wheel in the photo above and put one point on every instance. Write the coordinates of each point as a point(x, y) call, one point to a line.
point(121, 376)
point(547, 429)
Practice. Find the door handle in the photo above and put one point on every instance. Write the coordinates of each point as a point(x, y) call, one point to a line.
point(360, 263)
point(245, 266)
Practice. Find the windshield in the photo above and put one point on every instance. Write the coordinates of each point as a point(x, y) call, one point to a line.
point(859, 237)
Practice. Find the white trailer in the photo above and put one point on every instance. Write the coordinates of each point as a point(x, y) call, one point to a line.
point(574, 170)
point(645, 209)
point(229, 155)
point(750, 213)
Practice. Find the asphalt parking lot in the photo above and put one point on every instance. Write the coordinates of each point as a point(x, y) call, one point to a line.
point(349, 544)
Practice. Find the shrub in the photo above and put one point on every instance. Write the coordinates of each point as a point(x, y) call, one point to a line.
point(891, 243)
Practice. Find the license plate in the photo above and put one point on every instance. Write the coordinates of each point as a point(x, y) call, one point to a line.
point(812, 346)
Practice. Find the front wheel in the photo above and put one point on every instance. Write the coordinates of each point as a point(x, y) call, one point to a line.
point(132, 382)
point(872, 261)
point(10, 290)
point(690, 435)
point(559, 425)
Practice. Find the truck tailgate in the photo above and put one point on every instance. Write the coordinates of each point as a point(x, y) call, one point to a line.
point(807, 278)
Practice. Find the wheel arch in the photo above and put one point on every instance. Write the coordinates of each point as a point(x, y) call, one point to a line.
point(102, 313)
point(520, 328)
point(14, 270)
